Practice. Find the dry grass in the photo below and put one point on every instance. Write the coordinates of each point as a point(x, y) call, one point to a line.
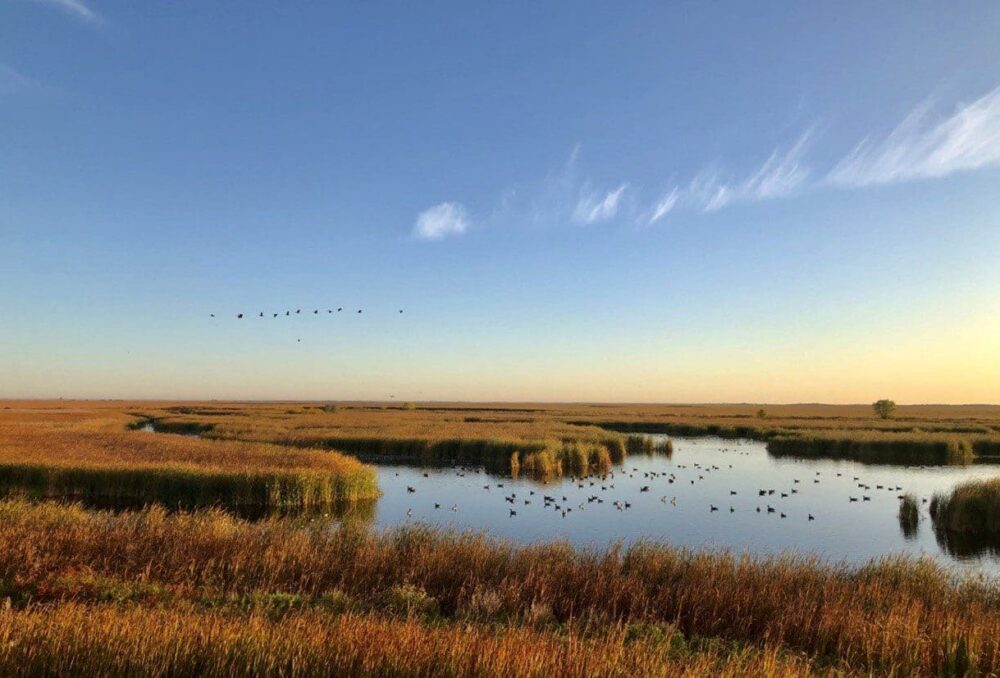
point(907, 617)
point(113, 640)
point(916, 434)
point(88, 454)
point(972, 508)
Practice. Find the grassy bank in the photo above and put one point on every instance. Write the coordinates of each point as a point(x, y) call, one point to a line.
point(877, 448)
point(432, 432)
point(95, 460)
point(186, 486)
point(972, 508)
point(897, 616)
point(542, 459)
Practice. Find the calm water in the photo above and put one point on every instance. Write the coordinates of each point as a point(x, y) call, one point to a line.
point(706, 471)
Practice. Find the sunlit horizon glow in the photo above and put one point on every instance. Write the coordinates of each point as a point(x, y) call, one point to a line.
point(633, 204)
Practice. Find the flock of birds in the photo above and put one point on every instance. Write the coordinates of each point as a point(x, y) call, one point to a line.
point(289, 313)
point(298, 311)
point(601, 489)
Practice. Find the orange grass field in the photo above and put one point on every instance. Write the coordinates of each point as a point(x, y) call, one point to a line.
point(155, 592)
point(163, 592)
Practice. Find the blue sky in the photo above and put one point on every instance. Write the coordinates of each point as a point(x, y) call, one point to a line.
point(571, 201)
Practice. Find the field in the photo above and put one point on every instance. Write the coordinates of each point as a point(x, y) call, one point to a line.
point(160, 591)
point(150, 579)
point(91, 454)
point(491, 433)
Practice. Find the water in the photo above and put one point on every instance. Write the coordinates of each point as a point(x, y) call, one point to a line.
point(842, 531)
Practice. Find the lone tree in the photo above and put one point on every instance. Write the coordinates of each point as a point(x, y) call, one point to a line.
point(884, 408)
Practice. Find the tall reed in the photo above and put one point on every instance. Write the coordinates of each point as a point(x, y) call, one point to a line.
point(902, 616)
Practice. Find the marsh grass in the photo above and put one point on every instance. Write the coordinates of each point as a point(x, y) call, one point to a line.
point(94, 460)
point(187, 486)
point(877, 447)
point(971, 508)
point(896, 616)
point(909, 516)
point(438, 433)
point(119, 640)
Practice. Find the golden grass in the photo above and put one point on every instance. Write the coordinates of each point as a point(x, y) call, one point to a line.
point(90, 455)
point(971, 508)
point(896, 616)
point(112, 640)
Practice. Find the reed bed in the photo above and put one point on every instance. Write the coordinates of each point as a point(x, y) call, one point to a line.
point(116, 640)
point(909, 515)
point(895, 616)
point(492, 433)
point(972, 508)
point(96, 460)
point(185, 486)
point(877, 447)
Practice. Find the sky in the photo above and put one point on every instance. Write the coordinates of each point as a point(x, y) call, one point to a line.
point(570, 201)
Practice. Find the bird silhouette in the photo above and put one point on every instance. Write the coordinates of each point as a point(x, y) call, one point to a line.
point(239, 315)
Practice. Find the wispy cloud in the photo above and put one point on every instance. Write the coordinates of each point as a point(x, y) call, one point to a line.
point(918, 149)
point(594, 206)
point(75, 8)
point(664, 205)
point(782, 174)
point(441, 221)
point(11, 80)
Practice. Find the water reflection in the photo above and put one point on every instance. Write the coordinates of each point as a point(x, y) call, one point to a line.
point(964, 546)
point(713, 493)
